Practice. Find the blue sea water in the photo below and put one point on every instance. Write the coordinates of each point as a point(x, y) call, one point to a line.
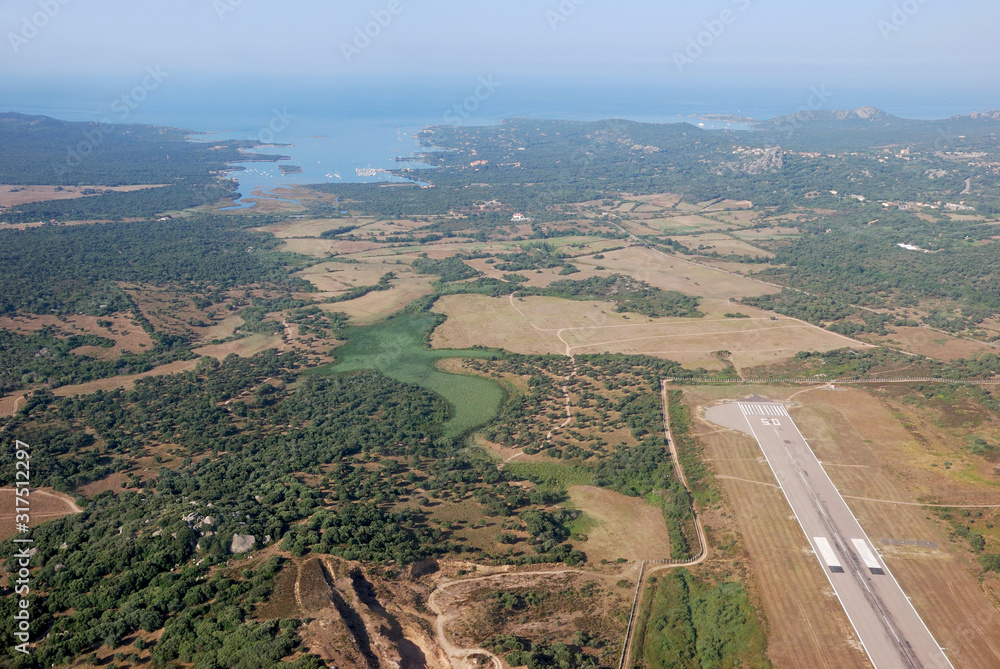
point(332, 128)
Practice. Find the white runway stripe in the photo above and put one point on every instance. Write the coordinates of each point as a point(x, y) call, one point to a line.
point(763, 410)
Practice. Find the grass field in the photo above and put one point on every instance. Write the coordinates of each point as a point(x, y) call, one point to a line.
point(45, 505)
point(378, 305)
point(13, 196)
point(538, 325)
point(924, 341)
point(674, 225)
point(619, 526)
point(674, 273)
point(722, 244)
point(885, 451)
point(395, 347)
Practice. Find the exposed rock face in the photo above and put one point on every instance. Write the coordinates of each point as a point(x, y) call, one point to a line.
point(242, 543)
point(870, 113)
point(772, 161)
point(986, 116)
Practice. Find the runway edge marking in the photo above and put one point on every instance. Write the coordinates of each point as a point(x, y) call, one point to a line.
point(819, 559)
point(887, 570)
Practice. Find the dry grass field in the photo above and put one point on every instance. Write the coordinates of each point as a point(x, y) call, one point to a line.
point(377, 305)
point(722, 244)
point(13, 196)
point(10, 404)
point(673, 225)
point(541, 325)
point(675, 273)
point(762, 234)
point(322, 248)
point(881, 455)
point(623, 527)
point(246, 347)
point(933, 344)
point(127, 334)
point(44, 504)
point(311, 227)
point(334, 278)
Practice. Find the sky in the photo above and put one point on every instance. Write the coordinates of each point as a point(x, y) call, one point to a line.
point(928, 45)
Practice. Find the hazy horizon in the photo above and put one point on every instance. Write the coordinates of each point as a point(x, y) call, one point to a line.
point(898, 46)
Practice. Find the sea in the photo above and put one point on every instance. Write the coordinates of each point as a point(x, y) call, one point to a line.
point(352, 131)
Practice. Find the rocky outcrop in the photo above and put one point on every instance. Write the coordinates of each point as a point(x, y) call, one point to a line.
point(242, 543)
point(772, 160)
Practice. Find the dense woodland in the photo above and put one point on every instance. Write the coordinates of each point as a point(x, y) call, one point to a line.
point(75, 269)
point(43, 151)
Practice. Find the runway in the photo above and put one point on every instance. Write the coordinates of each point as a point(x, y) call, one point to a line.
point(891, 631)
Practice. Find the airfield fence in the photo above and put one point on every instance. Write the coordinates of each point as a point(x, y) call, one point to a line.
point(843, 382)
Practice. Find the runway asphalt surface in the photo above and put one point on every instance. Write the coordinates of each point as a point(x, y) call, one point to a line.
point(888, 626)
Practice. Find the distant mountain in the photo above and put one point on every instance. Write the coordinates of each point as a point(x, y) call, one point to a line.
point(993, 115)
point(865, 116)
point(866, 127)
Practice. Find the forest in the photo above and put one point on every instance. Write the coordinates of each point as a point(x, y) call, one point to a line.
point(43, 151)
point(75, 269)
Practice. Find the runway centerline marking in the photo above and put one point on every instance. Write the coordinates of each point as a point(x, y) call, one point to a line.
point(883, 617)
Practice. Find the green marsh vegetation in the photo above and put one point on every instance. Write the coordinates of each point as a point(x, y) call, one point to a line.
point(397, 347)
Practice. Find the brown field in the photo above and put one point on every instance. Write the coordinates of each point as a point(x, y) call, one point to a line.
point(128, 335)
point(334, 278)
point(375, 306)
point(475, 622)
point(808, 627)
point(126, 382)
point(311, 227)
point(728, 205)
point(222, 329)
point(13, 196)
point(245, 347)
point(672, 273)
point(760, 234)
point(44, 504)
point(722, 244)
point(676, 225)
point(10, 404)
point(538, 325)
point(664, 200)
point(114, 483)
point(321, 248)
point(739, 218)
point(925, 341)
point(626, 527)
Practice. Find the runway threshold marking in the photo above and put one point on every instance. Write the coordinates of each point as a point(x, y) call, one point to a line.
point(779, 411)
